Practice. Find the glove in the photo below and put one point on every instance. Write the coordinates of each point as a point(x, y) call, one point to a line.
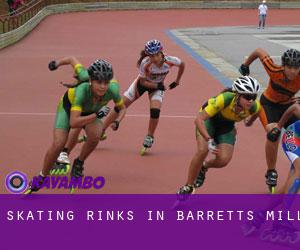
point(244, 70)
point(173, 85)
point(274, 134)
point(102, 112)
point(211, 145)
point(52, 65)
point(115, 125)
point(161, 86)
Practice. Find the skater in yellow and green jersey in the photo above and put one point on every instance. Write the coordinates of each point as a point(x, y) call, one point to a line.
point(215, 128)
point(113, 93)
point(81, 107)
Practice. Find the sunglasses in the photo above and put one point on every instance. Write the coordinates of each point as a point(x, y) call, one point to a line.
point(249, 97)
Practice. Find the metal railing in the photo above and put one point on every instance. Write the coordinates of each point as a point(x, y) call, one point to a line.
point(19, 17)
point(22, 15)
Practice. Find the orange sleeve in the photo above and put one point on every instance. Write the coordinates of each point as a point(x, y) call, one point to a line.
point(271, 68)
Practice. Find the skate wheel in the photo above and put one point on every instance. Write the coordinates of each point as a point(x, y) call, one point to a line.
point(60, 169)
point(143, 151)
point(103, 137)
point(66, 171)
point(28, 191)
point(72, 190)
point(81, 139)
point(272, 190)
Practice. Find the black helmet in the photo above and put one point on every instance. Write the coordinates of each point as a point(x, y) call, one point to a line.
point(291, 58)
point(101, 70)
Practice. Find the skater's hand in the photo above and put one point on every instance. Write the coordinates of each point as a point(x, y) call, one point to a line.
point(102, 112)
point(52, 65)
point(274, 134)
point(161, 86)
point(295, 99)
point(244, 70)
point(248, 122)
point(115, 125)
point(212, 147)
point(173, 85)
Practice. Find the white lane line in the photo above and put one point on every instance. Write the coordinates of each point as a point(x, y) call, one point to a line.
point(129, 115)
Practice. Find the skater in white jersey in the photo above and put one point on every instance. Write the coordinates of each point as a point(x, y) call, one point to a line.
point(153, 66)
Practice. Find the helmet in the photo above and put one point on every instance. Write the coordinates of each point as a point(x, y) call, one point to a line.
point(246, 85)
point(291, 58)
point(101, 70)
point(152, 47)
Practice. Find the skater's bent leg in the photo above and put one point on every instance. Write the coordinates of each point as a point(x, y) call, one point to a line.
point(198, 159)
point(59, 140)
point(222, 158)
point(93, 132)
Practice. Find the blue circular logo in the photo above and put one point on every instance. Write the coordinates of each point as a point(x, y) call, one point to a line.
point(16, 182)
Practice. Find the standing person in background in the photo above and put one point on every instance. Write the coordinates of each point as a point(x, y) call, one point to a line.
point(13, 5)
point(262, 8)
point(10, 6)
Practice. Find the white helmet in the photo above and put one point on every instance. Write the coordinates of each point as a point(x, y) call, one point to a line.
point(246, 85)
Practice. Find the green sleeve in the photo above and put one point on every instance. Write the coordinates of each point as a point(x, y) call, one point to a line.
point(115, 90)
point(228, 97)
point(255, 108)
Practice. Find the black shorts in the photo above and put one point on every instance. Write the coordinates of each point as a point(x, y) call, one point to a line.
point(272, 112)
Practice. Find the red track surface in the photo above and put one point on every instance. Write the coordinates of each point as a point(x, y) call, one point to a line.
point(28, 87)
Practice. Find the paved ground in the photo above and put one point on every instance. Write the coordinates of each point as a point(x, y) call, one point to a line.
point(227, 47)
point(29, 95)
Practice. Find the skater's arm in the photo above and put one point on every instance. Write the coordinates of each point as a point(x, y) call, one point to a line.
point(71, 60)
point(248, 122)
point(254, 113)
point(122, 111)
point(292, 110)
point(199, 122)
point(181, 68)
point(258, 53)
point(115, 118)
point(147, 84)
point(78, 121)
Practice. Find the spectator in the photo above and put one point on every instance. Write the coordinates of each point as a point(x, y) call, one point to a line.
point(10, 6)
point(13, 5)
point(262, 8)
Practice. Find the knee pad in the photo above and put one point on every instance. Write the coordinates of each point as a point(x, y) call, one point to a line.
point(295, 187)
point(116, 109)
point(154, 113)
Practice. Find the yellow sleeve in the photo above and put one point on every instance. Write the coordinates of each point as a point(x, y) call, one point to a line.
point(120, 103)
point(77, 68)
point(214, 105)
